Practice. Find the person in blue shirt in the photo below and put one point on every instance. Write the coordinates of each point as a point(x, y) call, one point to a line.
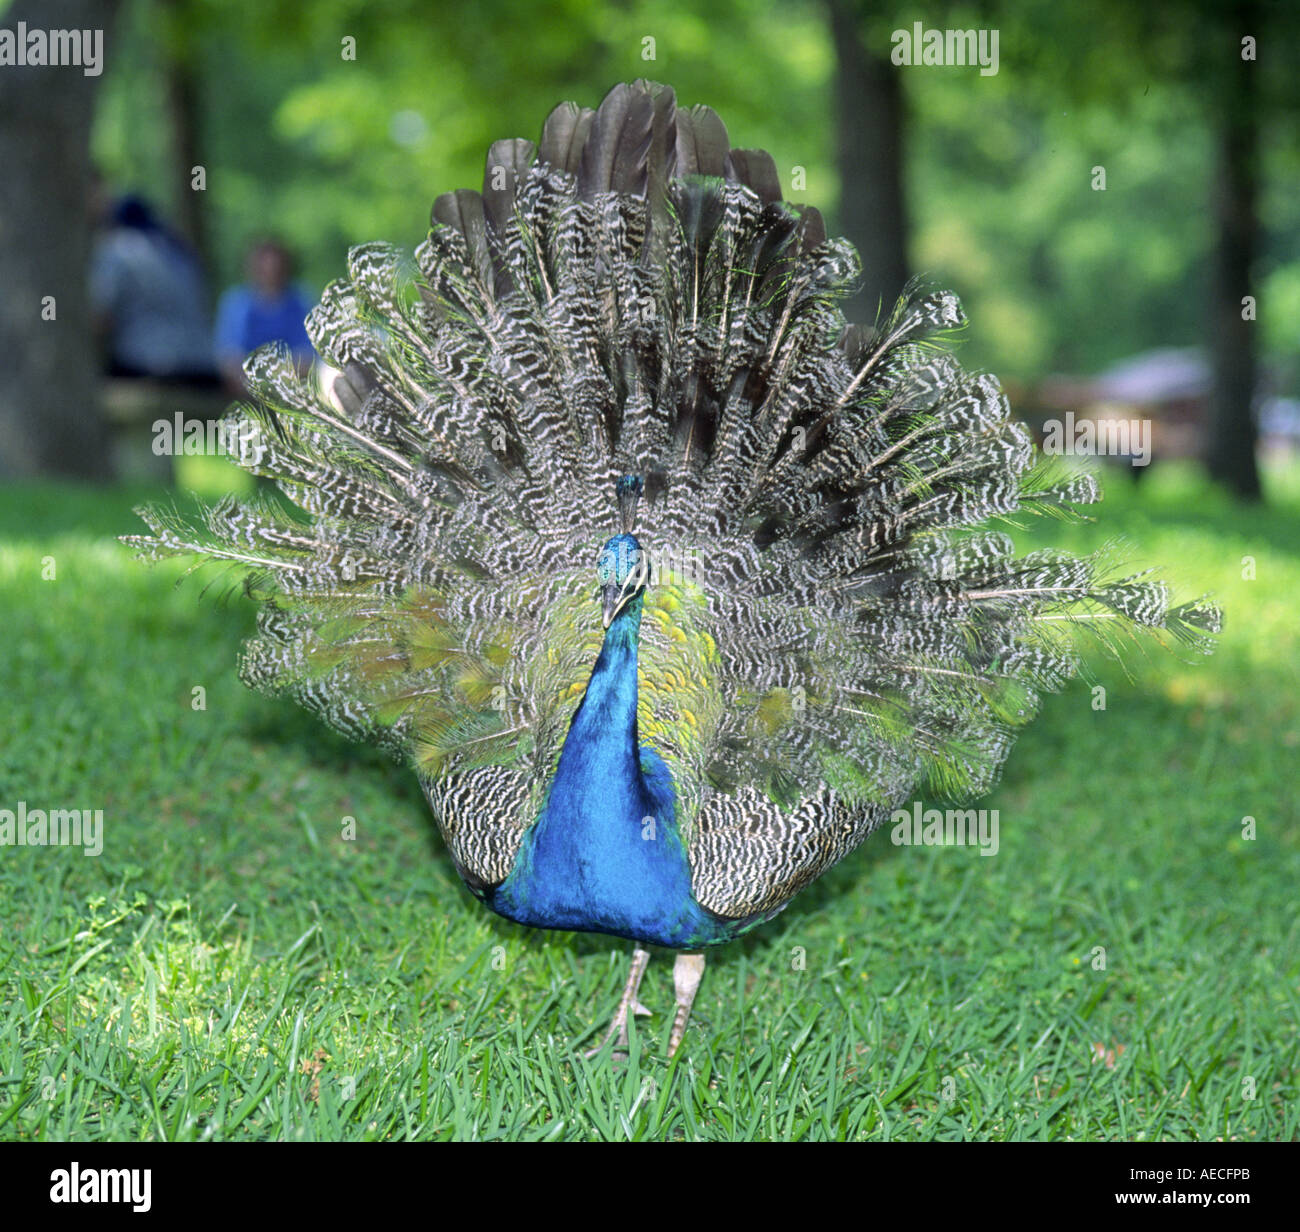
point(267, 308)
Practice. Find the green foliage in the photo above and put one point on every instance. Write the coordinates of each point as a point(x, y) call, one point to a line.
point(332, 152)
point(234, 967)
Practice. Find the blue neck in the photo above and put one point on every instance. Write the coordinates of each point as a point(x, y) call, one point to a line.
point(603, 735)
point(605, 854)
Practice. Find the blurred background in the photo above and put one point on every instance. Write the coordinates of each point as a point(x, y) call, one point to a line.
point(1115, 204)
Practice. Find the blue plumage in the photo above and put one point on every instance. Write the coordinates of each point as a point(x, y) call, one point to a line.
point(606, 855)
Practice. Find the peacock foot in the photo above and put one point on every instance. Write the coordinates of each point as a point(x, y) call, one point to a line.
point(628, 1004)
point(688, 971)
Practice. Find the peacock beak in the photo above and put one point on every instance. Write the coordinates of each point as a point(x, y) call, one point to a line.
point(611, 599)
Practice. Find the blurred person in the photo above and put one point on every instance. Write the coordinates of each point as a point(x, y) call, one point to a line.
point(149, 297)
point(266, 308)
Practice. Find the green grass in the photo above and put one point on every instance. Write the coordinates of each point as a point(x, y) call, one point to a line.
point(232, 967)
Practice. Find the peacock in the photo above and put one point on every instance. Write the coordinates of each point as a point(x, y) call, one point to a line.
point(670, 584)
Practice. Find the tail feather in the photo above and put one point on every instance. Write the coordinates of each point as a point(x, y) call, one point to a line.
point(630, 296)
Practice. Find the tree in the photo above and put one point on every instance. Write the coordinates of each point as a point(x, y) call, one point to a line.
point(1117, 49)
point(180, 36)
point(49, 417)
point(869, 130)
point(1233, 433)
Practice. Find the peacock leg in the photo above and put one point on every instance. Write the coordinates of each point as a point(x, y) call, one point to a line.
point(688, 970)
point(628, 1005)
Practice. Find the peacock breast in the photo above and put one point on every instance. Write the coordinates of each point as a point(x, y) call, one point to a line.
point(606, 857)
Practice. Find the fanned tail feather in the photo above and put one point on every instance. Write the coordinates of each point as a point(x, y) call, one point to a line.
point(631, 297)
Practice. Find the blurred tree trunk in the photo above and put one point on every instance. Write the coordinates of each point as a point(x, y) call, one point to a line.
point(49, 414)
point(183, 90)
point(869, 121)
point(1232, 435)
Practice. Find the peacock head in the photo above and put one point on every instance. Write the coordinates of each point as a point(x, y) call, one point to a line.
point(624, 567)
point(624, 573)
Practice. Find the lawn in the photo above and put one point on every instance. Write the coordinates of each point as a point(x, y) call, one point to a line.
point(273, 943)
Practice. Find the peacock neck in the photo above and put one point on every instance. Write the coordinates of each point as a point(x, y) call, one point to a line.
point(605, 724)
point(605, 854)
